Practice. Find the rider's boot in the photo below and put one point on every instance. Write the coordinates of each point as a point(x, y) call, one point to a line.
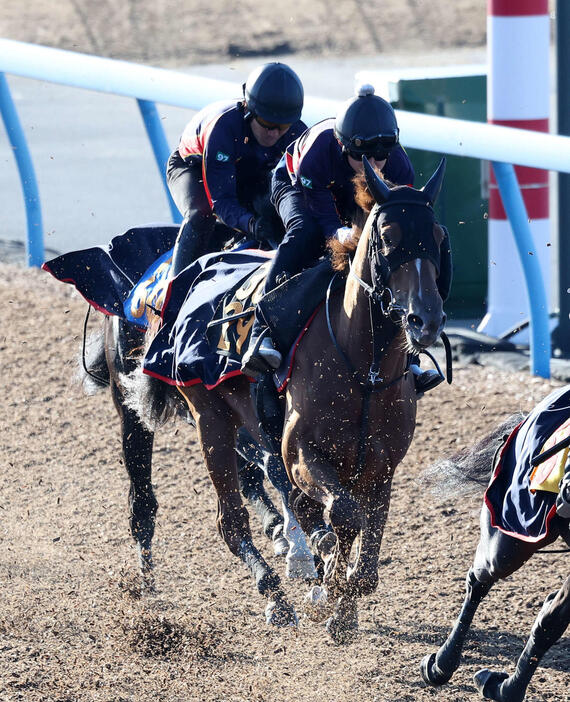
point(563, 499)
point(187, 249)
point(261, 354)
point(424, 380)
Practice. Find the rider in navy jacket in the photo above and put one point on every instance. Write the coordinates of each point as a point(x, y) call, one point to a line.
point(313, 191)
point(219, 176)
point(316, 165)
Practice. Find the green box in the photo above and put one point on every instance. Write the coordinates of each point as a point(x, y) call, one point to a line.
point(463, 203)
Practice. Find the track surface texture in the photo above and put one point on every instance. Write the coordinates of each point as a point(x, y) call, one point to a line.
point(72, 624)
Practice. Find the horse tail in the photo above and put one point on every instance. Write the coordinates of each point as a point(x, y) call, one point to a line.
point(468, 471)
point(154, 401)
point(92, 372)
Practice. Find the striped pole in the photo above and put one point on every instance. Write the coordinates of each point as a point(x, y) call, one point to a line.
point(518, 95)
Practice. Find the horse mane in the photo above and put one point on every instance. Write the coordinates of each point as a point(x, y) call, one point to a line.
point(340, 251)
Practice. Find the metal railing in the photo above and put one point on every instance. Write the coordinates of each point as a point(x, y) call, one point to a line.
point(502, 146)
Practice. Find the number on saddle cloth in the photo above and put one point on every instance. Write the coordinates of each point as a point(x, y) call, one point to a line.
point(230, 328)
point(147, 297)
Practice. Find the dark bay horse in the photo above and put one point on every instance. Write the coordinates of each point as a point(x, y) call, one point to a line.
point(112, 353)
point(499, 555)
point(350, 402)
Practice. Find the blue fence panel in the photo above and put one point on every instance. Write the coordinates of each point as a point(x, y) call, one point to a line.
point(35, 238)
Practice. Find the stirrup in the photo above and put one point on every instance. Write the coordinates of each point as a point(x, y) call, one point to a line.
point(260, 356)
point(563, 498)
point(425, 380)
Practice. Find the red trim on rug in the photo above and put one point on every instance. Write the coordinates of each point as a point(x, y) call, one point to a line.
point(488, 504)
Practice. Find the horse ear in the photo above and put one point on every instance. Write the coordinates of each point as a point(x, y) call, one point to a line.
point(380, 191)
point(433, 186)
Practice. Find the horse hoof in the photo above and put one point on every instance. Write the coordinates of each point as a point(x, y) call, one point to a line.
point(431, 674)
point(280, 546)
point(340, 631)
point(280, 613)
point(303, 567)
point(315, 604)
point(489, 684)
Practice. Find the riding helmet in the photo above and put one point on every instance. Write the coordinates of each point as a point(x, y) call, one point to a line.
point(366, 125)
point(274, 93)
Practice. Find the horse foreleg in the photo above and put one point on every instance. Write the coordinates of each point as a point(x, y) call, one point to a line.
point(217, 436)
point(548, 628)
point(498, 556)
point(137, 444)
point(437, 668)
point(251, 478)
point(300, 562)
point(318, 478)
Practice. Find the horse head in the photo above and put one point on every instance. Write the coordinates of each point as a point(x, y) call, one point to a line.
point(409, 256)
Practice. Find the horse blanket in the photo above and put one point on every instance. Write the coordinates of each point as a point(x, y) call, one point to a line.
point(209, 311)
point(108, 276)
point(520, 497)
point(129, 277)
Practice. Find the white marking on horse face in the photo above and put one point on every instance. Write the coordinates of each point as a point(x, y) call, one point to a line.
point(419, 270)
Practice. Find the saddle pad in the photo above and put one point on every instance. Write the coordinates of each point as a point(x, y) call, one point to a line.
point(186, 349)
point(547, 475)
point(288, 307)
point(517, 508)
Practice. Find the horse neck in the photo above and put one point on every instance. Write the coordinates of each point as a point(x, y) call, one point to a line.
point(354, 324)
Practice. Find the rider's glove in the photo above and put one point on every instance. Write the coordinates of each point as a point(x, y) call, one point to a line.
point(563, 499)
point(258, 229)
point(344, 234)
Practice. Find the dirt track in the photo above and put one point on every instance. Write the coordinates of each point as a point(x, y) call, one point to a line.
point(71, 625)
point(72, 628)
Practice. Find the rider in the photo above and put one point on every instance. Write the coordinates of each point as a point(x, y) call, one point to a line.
point(313, 191)
point(219, 176)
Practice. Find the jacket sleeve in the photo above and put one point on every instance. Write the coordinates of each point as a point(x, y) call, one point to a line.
point(221, 151)
point(314, 180)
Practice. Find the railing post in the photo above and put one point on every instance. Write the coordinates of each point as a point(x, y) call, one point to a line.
point(35, 240)
point(539, 314)
point(160, 148)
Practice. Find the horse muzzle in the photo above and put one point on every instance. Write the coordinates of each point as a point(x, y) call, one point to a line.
point(423, 330)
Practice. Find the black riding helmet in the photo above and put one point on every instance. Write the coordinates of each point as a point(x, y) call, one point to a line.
point(366, 126)
point(274, 93)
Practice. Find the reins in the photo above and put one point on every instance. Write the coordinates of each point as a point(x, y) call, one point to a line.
point(378, 294)
point(103, 381)
point(371, 383)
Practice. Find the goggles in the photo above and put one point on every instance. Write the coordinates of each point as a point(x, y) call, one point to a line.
point(271, 126)
point(376, 147)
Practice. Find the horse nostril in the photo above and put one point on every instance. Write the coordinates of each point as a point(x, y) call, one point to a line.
point(415, 321)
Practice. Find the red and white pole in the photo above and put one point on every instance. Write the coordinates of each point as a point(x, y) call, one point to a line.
point(518, 95)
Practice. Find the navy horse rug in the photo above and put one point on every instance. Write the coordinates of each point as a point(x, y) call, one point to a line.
point(209, 311)
point(206, 311)
point(521, 497)
point(127, 277)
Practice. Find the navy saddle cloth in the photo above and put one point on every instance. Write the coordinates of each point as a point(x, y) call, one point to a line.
point(190, 349)
point(515, 507)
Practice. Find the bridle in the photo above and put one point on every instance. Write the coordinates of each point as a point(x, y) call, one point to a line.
point(382, 299)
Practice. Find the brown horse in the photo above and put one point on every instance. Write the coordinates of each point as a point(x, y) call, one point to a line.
point(350, 402)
